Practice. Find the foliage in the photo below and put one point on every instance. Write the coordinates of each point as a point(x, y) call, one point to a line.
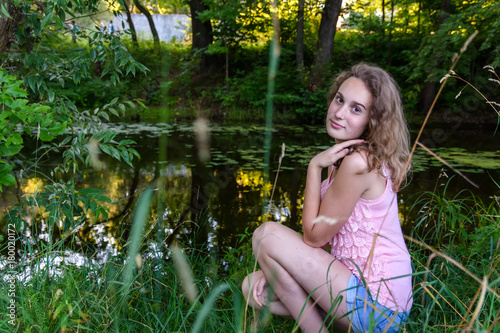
point(18, 116)
point(438, 48)
point(445, 221)
point(455, 249)
point(61, 200)
point(167, 6)
point(404, 42)
point(37, 107)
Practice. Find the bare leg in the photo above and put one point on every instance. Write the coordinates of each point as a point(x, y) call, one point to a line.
point(298, 271)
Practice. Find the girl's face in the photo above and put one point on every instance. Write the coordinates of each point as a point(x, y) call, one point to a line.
point(349, 112)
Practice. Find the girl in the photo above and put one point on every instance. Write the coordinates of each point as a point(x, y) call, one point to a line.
point(365, 282)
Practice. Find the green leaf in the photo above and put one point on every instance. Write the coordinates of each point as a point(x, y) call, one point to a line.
point(58, 128)
point(32, 83)
point(59, 22)
point(47, 19)
point(93, 54)
point(105, 71)
point(94, 193)
point(114, 112)
point(7, 179)
point(17, 139)
point(108, 136)
point(127, 142)
point(65, 141)
point(104, 115)
point(105, 149)
point(19, 104)
point(4, 168)
point(46, 120)
point(10, 150)
point(5, 12)
point(114, 152)
point(51, 94)
point(45, 136)
point(59, 308)
point(15, 92)
point(126, 157)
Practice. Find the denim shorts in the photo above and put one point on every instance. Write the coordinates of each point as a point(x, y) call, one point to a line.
point(370, 314)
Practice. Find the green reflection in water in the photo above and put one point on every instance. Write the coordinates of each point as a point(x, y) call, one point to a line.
point(232, 182)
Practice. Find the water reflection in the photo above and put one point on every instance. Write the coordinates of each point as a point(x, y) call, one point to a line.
point(227, 192)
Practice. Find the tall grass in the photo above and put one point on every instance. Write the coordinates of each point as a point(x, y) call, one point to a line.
point(454, 245)
point(455, 250)
point(111, 296)
point(456, 281)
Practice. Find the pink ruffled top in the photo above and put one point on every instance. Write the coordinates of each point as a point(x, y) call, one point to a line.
point(374, 228)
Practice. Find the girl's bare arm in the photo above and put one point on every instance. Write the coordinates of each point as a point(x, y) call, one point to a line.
point(321, 220)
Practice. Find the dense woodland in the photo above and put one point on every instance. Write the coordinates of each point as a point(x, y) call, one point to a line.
point(223, 65)
point(58, 85)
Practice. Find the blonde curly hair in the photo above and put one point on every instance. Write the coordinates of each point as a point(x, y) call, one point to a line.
point(387, 132)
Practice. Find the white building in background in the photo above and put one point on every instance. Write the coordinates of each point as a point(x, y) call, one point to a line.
point(169, 27)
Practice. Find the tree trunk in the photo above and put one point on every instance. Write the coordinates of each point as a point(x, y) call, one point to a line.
point(131, 24)
point(389, 55)
point(326, 34)
point(430, 86)
point(9, 26)
point(383, 13)
point(299, 56)
point(202, 32)
point(445, 11)
point(143, 10)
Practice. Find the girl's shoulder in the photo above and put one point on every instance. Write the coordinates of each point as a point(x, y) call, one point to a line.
point(356, 162)
point(357, 170)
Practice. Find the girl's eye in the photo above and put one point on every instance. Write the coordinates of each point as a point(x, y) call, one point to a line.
point(356, 109)
point(339, 99)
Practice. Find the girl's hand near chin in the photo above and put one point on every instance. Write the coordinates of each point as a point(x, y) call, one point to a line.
point(333, 154)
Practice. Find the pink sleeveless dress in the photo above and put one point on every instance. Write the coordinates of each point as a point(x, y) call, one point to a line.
point(372, 246)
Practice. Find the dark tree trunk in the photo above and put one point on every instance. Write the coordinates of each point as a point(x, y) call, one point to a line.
point(143, 10)
point(299, 56)
point(131, 23)
point(389, 55)
point(445, 11)
point(430, 86)
point(202, 32)
point(326, 34)
point(9, 26)
point(383, 13)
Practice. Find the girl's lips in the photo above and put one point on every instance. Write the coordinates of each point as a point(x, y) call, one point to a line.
point(336, 125)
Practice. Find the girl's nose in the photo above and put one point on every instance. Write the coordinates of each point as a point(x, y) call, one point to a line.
point(341, 112)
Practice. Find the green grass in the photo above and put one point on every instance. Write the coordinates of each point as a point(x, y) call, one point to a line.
point(92, 297)
point(455, 250)
point(450, 280)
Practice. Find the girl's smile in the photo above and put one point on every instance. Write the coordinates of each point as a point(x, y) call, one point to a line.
point(349, 112)
point(336, 125)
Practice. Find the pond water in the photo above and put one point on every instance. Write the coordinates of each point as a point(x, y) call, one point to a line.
point(229, 189)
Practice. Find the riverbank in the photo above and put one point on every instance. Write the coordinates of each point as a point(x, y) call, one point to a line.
point(455, 281)
point(486, 119)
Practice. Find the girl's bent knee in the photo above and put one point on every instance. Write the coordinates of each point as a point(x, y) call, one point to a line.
point(266, 229)
point(264, 232)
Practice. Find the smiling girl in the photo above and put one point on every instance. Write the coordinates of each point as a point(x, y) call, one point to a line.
point(365, 280)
